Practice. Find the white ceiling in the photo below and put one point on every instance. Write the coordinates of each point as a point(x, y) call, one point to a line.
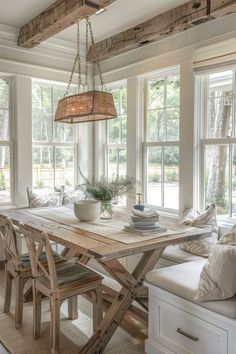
point(120, 15)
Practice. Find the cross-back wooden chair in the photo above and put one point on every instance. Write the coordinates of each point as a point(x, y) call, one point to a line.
point(16, 267)
point(58, 284)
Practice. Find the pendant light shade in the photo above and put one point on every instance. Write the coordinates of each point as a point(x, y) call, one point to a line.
point(86, 107)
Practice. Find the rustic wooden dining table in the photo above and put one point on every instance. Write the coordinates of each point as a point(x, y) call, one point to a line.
point(107, 243)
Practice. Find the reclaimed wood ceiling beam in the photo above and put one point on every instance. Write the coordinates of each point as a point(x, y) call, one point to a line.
point(57, 17)
point(171, 22)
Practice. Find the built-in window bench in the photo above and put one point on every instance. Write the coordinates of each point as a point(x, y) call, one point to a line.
point(179, 324)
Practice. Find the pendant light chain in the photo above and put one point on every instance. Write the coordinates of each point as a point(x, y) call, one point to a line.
point(71, 76)
point(196, 4)
point(96, 54)
point(77, 62)
point(80, 85)
point(86, 105)
point(86, 85)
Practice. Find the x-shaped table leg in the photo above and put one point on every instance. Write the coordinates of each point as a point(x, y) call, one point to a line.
point(131, 287)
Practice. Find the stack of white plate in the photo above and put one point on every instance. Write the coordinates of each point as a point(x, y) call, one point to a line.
point(144, 222)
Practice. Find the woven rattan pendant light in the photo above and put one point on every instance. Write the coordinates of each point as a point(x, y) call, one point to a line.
point(87, 105)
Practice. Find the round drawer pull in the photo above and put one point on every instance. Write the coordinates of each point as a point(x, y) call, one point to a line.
point(180, 331)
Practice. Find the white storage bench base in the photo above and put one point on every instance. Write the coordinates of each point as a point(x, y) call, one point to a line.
point(178, 325)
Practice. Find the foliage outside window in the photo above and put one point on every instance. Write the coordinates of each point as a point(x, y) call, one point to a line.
point(161, 141)
point(115, 147)
point(5, 145)
point(218, 141)
point(53, 143)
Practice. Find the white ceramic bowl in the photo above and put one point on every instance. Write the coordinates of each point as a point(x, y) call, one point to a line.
point(87, 210)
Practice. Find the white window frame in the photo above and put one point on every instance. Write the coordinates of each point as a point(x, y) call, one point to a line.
point(202, 95)
point(107, 145)
point(162, 144)
point(52, 144)
point(10, 143)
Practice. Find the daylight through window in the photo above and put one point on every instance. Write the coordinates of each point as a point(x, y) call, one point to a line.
point(53, 143)
point(218, 141)
point(115, 147)
point(161, 144)
point(5, 145)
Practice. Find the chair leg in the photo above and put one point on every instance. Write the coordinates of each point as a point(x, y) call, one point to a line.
point(8, 290)
point(19, 301)
point(55, 326)
point(36, 311)
point(97, 307)
point(73, 308)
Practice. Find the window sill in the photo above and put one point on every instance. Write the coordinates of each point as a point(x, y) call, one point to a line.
point(11, 206)
point(226, 221)
point(7, 206)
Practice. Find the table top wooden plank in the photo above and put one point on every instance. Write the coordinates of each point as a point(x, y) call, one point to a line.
point(95, 245)
point(67, 238)
point(107, 251)
point(91, 235)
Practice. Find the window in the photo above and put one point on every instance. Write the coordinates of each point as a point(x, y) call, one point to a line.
point(6, 192)
point(161, 140)
point(218, 141)
point(54, 149)
point(116, 136)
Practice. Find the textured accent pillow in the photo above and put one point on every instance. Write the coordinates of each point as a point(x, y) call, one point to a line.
point(229, 238)
point(218, 276)
point(206, 219)
point(38, 201)
point(71, 196)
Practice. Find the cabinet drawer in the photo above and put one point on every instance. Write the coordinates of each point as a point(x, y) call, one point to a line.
point(184, 333)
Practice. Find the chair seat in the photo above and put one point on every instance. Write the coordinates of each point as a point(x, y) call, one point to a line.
point(72, 272)
point(177, 255)
point(25, 259)
point(183, 279)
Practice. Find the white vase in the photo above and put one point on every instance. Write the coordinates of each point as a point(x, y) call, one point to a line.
point(87, 210)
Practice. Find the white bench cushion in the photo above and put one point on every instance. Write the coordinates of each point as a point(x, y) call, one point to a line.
point(177, 255)
point(182, 280)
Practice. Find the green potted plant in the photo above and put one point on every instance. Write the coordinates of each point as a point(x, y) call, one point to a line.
point(107, 191)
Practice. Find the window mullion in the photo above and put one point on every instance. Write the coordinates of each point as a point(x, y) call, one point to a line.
point(52, 121)
point(120, 115)
point(162, 176)
point(233, 105)
point(145, 171)
point(117, 162)
point(230, 178)
point(146, 93)
point(201, 176)
point(165, 109)
point(162, 143)
point(219, 141)
point(5, 143)
point(54, 165)
point(106, 153)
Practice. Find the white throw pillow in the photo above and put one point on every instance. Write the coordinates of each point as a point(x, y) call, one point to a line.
point(38, 201)
point(218, 276)
point(71, 196)
point(206, 219)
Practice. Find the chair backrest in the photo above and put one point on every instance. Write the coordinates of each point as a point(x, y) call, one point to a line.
point(9, 239)
point(38, 242)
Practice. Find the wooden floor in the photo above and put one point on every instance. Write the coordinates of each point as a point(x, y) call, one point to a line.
point(74, 333)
